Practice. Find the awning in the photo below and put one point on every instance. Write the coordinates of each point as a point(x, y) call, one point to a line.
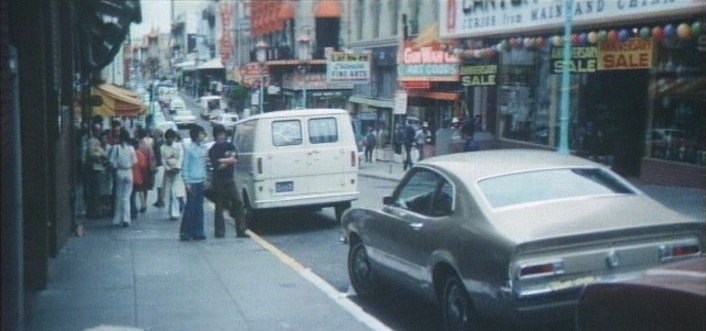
point(117, 101)
point(327, 9)
point(214, 63)
point(186, 64)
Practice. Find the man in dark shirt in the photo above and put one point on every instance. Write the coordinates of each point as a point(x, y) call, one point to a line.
point(409, 133)
point(224, 156)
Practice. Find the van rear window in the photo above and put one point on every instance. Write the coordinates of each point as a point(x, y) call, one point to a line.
point(286, 133)
point(323, 130)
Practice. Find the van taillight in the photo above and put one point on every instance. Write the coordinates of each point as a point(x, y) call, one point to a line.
point(259, 165)
point(668, 252)
point(353, 157)
point(541, 269)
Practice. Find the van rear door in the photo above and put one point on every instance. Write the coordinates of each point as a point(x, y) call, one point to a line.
point(328, 154)
point(285, 168)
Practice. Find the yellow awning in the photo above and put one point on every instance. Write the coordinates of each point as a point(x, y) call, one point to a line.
point(117, 101)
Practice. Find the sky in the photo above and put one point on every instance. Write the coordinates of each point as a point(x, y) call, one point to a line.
point(155, 13)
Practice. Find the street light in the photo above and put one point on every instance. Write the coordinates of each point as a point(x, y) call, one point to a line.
point(261, 50)
point(304, 49)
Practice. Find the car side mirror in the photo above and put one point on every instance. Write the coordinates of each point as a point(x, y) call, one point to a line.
point(387, 200)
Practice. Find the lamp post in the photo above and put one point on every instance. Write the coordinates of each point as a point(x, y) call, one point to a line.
point(261, 50)
point(304, 49)
point(566, 58)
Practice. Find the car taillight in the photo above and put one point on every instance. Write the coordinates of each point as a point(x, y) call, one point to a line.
point(541, 269)
point(675, 251)
point(259, 165)
point(353, 158)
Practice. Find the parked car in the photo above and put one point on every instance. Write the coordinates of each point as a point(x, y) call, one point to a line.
point(296, 159)
point(227, 120)
point(184, 117)
point(669, 297)
point(210, 103)
point(511, 236)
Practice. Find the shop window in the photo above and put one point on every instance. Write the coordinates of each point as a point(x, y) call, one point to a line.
point(676, 130)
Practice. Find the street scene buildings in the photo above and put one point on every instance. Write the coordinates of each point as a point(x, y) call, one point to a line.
point(616, 82)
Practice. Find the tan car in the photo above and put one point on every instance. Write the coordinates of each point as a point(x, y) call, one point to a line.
point(511, 236)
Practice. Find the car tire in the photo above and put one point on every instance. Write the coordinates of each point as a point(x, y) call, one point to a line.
point(457, 307)
point(361, 273)
point(250, 215)
point(340, 208)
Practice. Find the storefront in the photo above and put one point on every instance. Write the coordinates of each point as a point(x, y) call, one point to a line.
point(319, 92)
point(638, 76)
point(429, 76)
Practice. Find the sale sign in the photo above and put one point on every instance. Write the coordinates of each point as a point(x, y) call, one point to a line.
point(635, 53)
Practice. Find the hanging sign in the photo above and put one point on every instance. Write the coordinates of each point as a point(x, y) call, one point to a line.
point(583, 59)
point(431, 63)
point(634, 53)
point(400, 103)
point(478, 75)
point(342, 67)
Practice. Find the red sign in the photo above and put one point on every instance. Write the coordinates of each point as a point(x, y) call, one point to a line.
point(414, 84)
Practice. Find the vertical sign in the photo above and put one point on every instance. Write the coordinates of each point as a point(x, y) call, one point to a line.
point(400, 103)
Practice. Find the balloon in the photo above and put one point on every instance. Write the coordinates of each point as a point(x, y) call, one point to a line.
point(583, 38)
point(602, 36)
point(657, 33)
point(515, 42)
point(540, 42)
point(592, 37)
point(623, 35)
point(528, 42)
point(644, 32)
point(612, 36)
point(476, 54)
point(506, 45)
point(557, 41)
point(669, 31)
point(696, 28)
point(684, 31)
point(575, 39)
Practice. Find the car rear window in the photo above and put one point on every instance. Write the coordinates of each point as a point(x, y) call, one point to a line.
point(535, 186)
point(323, 130)
point(285, 133)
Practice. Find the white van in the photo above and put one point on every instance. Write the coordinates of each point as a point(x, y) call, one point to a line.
point(296, 158)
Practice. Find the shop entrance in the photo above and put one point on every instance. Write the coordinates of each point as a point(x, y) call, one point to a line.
point(612, 119)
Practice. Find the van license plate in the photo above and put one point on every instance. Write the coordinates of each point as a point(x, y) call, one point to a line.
point(284, 186)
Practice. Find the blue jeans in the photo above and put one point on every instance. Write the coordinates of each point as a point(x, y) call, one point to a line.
point(192, 221)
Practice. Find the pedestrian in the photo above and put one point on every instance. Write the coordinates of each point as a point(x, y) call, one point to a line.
point(147, 170)
point(193, 171)
point(139, 177)
point(422, 138)
point(174, 190)
point(409, 134)
point(159, 173)
point(105, 182)
point(122, 158)
point(370, 142)
point(96, 160)
point(224, 156)
point(457, 141)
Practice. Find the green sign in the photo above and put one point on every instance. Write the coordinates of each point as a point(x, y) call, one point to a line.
point(478, 75)
point(583, 59)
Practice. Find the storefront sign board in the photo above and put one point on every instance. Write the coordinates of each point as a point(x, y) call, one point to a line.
point(478, 75)
point(635, 53)
point(583, 59)
point(430, 63)
point(476, 18)
point(313, 81)
point(400, 103)
point(342, 67)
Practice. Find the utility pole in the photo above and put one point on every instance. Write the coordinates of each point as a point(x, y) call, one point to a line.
point(565, 81)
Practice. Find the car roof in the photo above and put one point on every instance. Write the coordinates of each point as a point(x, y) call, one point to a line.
point(483, 164)
point(299, 113)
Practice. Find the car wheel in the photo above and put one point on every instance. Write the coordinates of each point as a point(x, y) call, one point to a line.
point(340, 208)
point(457, 307)
point(360, 272)
point(249, 214)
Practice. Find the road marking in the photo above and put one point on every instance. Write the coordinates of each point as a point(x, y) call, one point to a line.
point(340, 298)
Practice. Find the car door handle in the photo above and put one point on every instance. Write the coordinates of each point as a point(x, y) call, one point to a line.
point(416, 226)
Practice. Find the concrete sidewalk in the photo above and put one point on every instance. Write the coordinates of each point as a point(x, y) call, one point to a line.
point(688, 201)
point(143, 277)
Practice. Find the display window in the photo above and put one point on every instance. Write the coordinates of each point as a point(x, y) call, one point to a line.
point(677, 125)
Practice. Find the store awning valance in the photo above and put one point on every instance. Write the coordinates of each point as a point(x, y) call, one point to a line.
point(117, 101)
point(214, 63)
point(327, 9)
point(186, 65)
point(447, 96)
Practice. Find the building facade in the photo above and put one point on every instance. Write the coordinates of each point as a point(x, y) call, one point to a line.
point(637, 80)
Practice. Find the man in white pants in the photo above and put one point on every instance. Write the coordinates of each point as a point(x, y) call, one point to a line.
point(123, 158)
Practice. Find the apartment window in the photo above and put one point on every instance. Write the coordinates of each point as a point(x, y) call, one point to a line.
point(394, 13)
point(375, 8)
point(359, 18)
